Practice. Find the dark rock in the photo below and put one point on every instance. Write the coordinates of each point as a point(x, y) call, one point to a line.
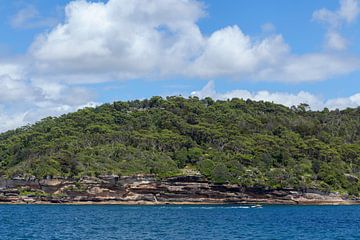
point(146, 188)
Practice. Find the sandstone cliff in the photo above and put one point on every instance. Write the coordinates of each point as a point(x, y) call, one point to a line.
point(146, 189)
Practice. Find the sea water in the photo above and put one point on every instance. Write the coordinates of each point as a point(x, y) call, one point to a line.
point(178, 222)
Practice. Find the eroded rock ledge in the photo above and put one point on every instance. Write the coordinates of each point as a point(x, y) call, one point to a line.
point(146, 189)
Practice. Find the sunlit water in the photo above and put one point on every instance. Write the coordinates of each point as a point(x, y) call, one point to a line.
point(178, 222)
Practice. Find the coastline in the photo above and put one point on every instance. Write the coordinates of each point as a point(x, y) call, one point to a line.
point(147, 190)
point(149, 203)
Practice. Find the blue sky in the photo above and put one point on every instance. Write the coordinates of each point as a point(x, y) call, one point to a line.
point(57, 56)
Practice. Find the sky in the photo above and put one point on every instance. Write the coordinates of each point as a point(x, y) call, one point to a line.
point(59, 56)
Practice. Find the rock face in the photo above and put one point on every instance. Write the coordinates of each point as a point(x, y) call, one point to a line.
point(146, 189)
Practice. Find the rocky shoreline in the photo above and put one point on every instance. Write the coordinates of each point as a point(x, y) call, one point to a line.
point(147, 190)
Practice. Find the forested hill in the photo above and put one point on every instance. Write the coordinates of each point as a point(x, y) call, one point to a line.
point(236, 141)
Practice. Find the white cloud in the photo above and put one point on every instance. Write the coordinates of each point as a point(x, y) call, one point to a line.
point(341, 103)
point(12, 84)
point(32, 113)
point(23, 16)
point(9, 121)
point(229, 52)
point(24, 101)
point(284, 98)
point(335, 41)
point(129, 39)
point(268, 27)
point(122, 39)
point(312, 67)
point(29, 17)
point(349, 10)
point(12, 70)
point(126, 39)
point(346, 14)
point(15, 90)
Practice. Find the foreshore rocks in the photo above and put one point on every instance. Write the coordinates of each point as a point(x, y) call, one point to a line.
point(146, 189)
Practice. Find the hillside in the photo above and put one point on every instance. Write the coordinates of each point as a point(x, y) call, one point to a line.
point(242, 142)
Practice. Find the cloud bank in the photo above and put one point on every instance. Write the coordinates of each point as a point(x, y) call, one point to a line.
point(158, 39)
point(124, 39)
point(284, 98)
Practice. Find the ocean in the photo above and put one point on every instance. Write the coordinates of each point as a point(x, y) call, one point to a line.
point(178, 222)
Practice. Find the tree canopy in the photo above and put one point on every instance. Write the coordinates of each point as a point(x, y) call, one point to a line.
point(235, 141)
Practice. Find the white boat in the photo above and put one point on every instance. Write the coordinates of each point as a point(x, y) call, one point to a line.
point(256, 206)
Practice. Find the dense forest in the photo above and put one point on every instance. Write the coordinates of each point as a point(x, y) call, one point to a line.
point(236, 141)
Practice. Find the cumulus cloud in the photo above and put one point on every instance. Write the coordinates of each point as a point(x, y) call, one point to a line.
point(12, 84)
point(15, 90)
point(24, 100)
point(127, 39)
point(131, 39)
point(288, 99)
point(10, 121)
point(12, 70)
point(15, 115)
point(122, 39)
point(334, 20)
point(229, 52)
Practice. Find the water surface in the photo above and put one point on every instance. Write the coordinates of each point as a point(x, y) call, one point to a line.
point(178, 222)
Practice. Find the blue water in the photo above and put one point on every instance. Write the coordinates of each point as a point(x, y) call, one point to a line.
point(178, 222)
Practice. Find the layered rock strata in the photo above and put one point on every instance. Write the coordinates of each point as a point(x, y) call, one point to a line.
point(146, 189)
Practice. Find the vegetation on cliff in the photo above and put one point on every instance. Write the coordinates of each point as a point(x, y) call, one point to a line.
point(236, 141)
